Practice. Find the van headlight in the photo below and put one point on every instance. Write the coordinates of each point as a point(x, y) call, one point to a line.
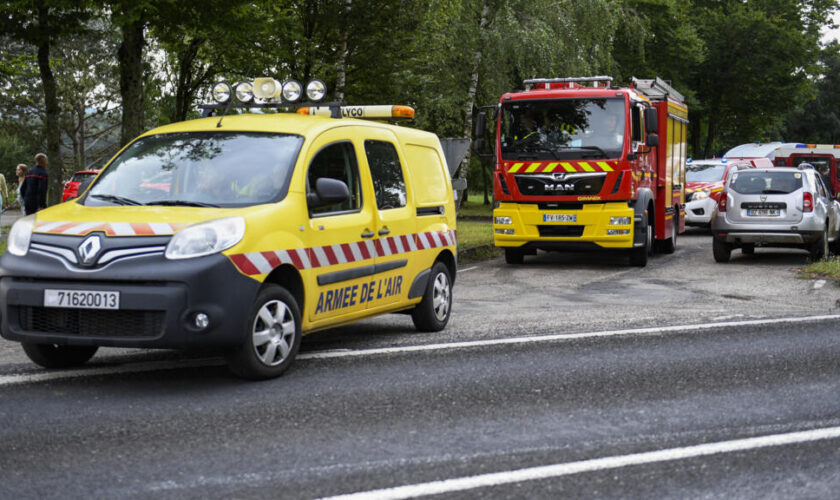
point(206, 238)
point(20, 236)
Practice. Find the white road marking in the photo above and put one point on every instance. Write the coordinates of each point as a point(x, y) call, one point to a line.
point(596, 464)
point(819, 284)
point(467, 269)
point(6, 380)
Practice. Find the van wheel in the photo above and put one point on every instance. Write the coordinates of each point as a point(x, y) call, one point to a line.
point(721, 250)
point(748, 248)
point(272, 336)
point(514, 256)
point(819, 249)
point(639, 256)
point(58, 356)
point(432, 313)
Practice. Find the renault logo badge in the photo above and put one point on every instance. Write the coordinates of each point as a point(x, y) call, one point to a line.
point(89, 249)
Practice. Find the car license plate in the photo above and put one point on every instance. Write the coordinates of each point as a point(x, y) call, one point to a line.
point(763, 212)
point(559, 218)
point(82, 299)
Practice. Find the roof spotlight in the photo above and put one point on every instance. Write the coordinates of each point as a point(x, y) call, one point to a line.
point(316, 90)
point(266, 88)
point(292, 90)
point(221, 92)
point(244, 92)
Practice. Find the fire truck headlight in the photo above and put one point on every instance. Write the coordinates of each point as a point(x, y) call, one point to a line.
point(504, 221)
point(700, 195)
point(206, 238)
point(617, 232)
point(244, 92)
point(221, 92)
point(504, 231)
point(21, 235)
point(619, 221)
point(292, 90)
point(316, 90)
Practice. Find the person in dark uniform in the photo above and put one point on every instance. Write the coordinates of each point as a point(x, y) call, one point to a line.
point(34, 188)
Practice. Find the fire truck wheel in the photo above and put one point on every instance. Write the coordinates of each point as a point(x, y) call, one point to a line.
point(432, 313)
point(514, 256)
point(669, 245)
point(721, 250)
point(639, 255)
point(58, 356)
point(272, 336)
point(748, 248)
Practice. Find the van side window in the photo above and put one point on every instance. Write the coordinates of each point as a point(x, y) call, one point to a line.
point(336, 161)
point(385, 168)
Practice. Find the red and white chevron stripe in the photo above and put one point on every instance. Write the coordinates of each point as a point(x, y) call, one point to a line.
point(254, 263)
point(109, 228)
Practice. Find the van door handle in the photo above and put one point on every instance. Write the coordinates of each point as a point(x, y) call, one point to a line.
point(383, 232)
point(368, 234)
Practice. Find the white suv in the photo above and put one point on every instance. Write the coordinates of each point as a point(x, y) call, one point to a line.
point(775, 207)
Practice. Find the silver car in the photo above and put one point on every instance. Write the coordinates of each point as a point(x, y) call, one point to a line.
point(776, 207)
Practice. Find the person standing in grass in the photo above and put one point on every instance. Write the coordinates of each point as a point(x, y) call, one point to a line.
point(35, 185)
point(20, 171)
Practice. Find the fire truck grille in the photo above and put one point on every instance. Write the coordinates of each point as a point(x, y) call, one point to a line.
point(546, 185)
point(90, 323)
point(560, 231)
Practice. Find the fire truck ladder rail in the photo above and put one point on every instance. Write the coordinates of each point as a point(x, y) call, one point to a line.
point(656, 88)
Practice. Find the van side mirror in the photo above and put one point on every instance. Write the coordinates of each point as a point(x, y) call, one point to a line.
point(652, 140)
point(327, 192)
point(651, 121)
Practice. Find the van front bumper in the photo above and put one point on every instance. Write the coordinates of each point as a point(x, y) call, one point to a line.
point(587, 227)
point(158, 302)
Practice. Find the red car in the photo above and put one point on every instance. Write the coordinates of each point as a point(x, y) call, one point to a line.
point(71, 187)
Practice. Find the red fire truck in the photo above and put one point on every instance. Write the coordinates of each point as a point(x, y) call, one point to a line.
point(582, 164)
point(824, 157)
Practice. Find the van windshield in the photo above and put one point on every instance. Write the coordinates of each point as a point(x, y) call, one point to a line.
point(704, 172)
point(217, 169)
point(562, 129)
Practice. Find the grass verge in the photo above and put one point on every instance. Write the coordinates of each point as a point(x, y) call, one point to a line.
point(829, 268)
point(474, 206)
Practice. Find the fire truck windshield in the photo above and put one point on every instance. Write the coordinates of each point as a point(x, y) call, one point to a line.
point(562, 129)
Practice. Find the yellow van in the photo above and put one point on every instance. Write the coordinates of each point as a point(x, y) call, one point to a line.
point(240, 232)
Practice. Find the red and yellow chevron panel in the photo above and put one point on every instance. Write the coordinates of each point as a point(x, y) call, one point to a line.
point(254, 263)
point(544, 167)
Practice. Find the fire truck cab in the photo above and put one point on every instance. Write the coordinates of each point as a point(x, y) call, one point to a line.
point(824, 158)
point(581, 164)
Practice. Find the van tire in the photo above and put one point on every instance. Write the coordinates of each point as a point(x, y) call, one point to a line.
point(272, 336)
point(58, 356)
point(721, 250)
point(514, 256)
point(432, 313)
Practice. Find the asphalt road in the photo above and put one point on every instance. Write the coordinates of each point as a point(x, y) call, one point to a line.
point(571, 379)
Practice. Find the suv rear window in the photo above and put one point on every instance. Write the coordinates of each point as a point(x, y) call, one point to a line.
point(765, 182)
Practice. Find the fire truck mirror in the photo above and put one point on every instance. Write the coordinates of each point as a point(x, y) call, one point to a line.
point(480, 133)
point(652, 140)
point(651, 124)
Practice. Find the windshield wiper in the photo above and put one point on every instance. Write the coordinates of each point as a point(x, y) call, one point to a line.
point(182, 203)
point(119, 200)
point(585, 148)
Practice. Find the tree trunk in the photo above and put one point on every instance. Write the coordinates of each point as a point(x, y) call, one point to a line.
point(341, 77)
point(468, 107)
point(710, 134)
point(51, 104)
point(130, 58)
point(185, 92)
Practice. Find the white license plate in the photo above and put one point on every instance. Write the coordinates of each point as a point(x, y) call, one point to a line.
point(763, 212)
point(559, 218)
point(82, 299)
